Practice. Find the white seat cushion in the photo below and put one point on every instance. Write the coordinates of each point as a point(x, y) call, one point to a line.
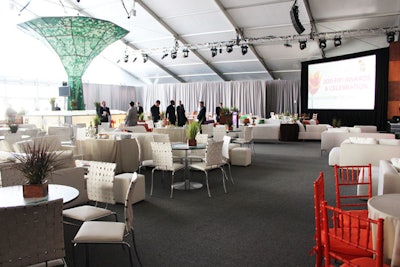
point(100, 231)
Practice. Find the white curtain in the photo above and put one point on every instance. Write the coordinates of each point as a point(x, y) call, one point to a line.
point(256, 97)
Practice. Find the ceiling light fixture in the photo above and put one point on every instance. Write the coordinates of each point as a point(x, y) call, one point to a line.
point(164, 56)
point(134, 59)
point(229, 48)
point(214, 51)
point(145, 58)
point(245, 48)
point(185, 52)
point(126, 58)
point(322, 43)
point(302, 44)
point(390, 37)
point(173, 54)
point(337, 41)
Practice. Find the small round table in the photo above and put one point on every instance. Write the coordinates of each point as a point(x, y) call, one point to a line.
point(11, 196)
point(187, 185)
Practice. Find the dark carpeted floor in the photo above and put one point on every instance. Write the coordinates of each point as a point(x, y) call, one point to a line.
point(265, 219)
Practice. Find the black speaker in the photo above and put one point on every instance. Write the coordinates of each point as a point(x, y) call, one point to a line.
point(63, 91)
point(294, 15)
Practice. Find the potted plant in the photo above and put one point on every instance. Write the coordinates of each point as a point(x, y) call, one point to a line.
point(97, 106)
point(52, 103)
point(229, 124)
point(12, 125)
point(225, 114)
point(191, 131)
point(96, 122)
point(36, 164)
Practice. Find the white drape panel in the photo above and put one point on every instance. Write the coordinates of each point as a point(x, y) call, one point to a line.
point(249, 97)
point(116, 96)
point(283, 96)
point(256, 97)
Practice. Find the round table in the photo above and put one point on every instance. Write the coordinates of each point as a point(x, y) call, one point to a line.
point(388, 207)
point(187, 185)
point(11, 196)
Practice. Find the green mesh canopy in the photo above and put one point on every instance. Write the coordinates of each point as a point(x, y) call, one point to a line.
point(77, 41)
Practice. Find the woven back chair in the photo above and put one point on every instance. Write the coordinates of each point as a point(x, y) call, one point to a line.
point(213, 160)
point(225, 154)
point(100, 184)
point(106, 232)
point(163, 161)
point(161, 138)
point(31, 234)
point(10, 176)
point(198, 154)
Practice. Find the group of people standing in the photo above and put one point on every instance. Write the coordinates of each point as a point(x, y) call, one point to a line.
point(176, 115)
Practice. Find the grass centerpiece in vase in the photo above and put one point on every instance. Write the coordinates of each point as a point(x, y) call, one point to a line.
point(36, 164)
point(191, 131)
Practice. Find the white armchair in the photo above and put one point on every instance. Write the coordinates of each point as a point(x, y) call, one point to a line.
point(389, 178)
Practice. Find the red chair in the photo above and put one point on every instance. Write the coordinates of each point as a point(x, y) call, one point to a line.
point(353, 236)
point(347, 180)
point(346, 251)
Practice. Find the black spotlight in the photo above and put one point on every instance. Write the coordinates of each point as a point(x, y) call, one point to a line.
point(134, 59)
point(390, 37)
point(337, 41)
point(302, 44)
point(126, 58)
point(322, 43)
point(185, 52)
point(245, 48)
point(214, 51)
point(145, 58)
point(164, 56)
point(173, 54)
point(229, 48)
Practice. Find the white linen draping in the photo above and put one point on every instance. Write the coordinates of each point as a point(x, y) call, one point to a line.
point(253, 96)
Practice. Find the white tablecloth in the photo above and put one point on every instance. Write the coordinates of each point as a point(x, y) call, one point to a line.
point(388, 207)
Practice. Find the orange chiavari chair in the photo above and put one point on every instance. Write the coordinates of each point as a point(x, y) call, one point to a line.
point(353, 236)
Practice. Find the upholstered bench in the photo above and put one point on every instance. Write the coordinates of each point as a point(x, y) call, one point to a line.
point(121, 185)
point(241, 156)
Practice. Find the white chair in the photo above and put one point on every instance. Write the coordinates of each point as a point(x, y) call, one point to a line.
point(32, 234)
point(163, 161)
point(9, 176)
point(219, 132)
point(207, 129)
point(247, 138)
point(145, 152)
point(225, 155)
point(100, 183)
point(106, 232)
point(65, 133)
point(213, 160)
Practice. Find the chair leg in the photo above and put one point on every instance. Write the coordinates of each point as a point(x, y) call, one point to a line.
point(230, 173)
point(152, 175)
point(172, 186)
point(208, 187)
point(223, 178)
point(135, 248)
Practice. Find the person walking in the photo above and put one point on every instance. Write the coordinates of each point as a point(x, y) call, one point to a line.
point(180, 111)
point(139, 108)
point(170, 113)
point(131, 115)
point(218, 111)
point(155, 111)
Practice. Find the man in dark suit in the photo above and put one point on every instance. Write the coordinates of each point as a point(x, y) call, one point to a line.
point(139, 108)
point(104, 112)
point(155, 111)
point(201, 116)
point(218, 111)
point(170, 113)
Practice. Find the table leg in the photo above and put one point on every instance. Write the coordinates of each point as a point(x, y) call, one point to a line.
point(187, 184)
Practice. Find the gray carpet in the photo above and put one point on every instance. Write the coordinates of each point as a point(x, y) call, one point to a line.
point(266, 219)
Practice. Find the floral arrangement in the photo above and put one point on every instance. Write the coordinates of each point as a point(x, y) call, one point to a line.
point(246, 121)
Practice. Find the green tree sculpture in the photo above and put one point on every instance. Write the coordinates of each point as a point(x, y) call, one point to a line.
point(77, 41)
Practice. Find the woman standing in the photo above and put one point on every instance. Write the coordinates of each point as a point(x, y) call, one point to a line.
point(180, 110)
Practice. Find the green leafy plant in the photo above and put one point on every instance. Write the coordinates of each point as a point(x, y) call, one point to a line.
point(229, 122)
point(37, 163)
point(96, 121)
point(224, 111)
point(234, 109)
point(96, 104)
point(192, 129)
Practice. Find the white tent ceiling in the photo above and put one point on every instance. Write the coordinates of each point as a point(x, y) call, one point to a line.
point(265, 25)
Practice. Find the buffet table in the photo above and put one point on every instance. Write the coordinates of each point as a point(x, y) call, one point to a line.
point(124, 152)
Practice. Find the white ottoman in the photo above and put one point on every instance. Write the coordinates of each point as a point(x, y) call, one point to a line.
point(241, 156)
point(121, 186)
point(334, 155)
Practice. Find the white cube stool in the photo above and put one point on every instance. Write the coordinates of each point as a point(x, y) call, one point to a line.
point(121, 185)
point(241, 156)
point(334, 155)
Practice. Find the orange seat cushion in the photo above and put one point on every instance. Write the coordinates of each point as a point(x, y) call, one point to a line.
point(347, 251)
point(365, 262)
point(360, 213)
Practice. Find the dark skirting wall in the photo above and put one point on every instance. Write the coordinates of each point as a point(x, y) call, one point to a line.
point(377, 117)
